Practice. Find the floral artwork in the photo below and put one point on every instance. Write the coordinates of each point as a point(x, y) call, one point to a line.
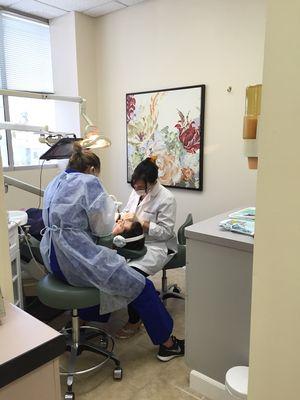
point(168, 124)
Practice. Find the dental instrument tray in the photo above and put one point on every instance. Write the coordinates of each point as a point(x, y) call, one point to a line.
point(246, 213)
point(245, 227)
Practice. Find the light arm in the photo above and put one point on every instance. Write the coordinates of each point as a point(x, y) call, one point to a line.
point(23, 186)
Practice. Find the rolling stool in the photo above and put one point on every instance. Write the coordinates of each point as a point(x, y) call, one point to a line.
point(57, 294)
point(178, 261)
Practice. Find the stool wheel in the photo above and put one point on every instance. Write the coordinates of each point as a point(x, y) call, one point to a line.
point(118, 373)
point(70, 396)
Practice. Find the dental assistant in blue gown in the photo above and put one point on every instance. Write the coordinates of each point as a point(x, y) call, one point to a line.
point(77, 210)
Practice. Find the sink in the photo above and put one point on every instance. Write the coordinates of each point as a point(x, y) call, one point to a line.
point(17, 217)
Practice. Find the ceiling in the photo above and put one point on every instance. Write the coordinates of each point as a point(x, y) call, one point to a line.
point(55, 8)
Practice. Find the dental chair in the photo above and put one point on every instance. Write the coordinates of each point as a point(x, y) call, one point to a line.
point(60, 295)
point(178, 261)
point(32, 265)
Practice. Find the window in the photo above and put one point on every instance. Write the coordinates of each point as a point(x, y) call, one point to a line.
point(26, 146)
point(25, 64)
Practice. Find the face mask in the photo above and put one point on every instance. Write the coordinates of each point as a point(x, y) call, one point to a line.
point(141, 192)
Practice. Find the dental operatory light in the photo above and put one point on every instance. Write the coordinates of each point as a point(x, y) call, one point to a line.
point(92, 138)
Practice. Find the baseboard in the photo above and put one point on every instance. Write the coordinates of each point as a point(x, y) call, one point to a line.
point(208, 387)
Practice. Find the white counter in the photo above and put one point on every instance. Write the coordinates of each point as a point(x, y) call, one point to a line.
point(210, 232)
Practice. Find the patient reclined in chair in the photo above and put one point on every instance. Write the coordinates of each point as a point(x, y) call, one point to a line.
point(127, 236)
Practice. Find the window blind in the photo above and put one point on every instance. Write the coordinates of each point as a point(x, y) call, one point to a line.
point(25, 54)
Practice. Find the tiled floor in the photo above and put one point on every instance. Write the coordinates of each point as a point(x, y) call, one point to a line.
point(145, 378)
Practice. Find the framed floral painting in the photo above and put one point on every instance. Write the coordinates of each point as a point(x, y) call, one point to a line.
point(168, 124)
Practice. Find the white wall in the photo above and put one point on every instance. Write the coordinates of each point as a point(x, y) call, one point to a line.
point(275, 325)
point(65, 72)
point(172, 43)
point(86, 63)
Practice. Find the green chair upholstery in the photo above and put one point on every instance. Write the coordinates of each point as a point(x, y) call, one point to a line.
point(57, 294)
point(180, 235)
point(132, 254)
point(178, 261)
point(106, 241)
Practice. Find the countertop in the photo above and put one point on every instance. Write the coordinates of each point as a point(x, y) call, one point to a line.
point(25, 344)
point(210, 232)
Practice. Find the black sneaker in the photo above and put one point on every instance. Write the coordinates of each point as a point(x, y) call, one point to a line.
point(168, 353)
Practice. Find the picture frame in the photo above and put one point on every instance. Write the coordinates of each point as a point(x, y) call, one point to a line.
point(168, 125)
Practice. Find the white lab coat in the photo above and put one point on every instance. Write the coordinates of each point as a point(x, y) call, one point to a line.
point(158, 207)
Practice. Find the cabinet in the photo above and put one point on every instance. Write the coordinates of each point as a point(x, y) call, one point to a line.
point(29, 363)
point(14, 253)
point(218, 305)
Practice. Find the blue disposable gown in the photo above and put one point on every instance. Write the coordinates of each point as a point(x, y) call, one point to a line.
point(77, 210)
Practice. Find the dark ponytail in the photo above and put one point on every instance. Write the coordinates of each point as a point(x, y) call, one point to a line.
point(146, 171)
point(81, 159)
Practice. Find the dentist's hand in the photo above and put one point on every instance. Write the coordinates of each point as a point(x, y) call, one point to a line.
point(128, 217)
point(146, 226)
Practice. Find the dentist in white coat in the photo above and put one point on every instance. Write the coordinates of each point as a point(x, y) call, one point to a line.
point(155, 207)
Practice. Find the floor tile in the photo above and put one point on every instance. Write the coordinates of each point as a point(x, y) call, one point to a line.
point(161, 389)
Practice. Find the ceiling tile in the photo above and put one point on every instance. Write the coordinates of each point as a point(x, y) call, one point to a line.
point(7, 3)
point(130, 2)
point(104, 9)
point(38, 9)
point(75, 5)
